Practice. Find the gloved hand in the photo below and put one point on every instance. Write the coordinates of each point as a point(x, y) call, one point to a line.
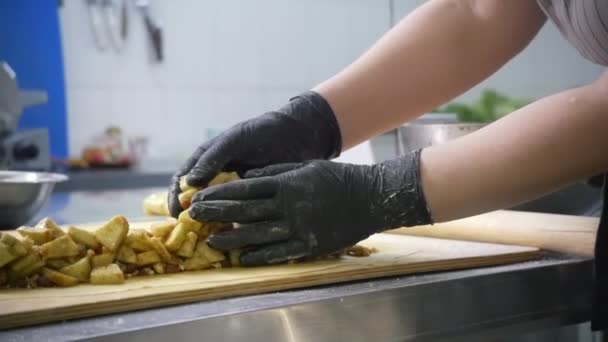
point(291, 211)
point(304, 129)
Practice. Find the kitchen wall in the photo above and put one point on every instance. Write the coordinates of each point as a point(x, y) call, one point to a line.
point(225, 61)
point(229, 60)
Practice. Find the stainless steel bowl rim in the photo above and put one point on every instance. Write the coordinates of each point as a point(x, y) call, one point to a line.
point(28, 177)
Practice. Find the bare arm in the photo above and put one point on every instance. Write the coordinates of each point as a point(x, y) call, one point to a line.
point(533, 151)
point(436, 53)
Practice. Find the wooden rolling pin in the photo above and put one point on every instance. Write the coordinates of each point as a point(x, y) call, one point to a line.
point(560, 233)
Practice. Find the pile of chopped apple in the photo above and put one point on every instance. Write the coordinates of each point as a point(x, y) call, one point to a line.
point(46, 255)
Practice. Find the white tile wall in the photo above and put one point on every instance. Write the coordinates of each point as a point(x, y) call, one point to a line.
point(225, 61)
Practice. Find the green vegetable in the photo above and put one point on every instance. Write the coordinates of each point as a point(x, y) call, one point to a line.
point(490, 107)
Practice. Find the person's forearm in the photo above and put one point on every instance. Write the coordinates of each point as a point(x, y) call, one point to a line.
point(436, 53)
point(533, 151)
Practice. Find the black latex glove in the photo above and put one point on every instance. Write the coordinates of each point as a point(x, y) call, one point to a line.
point(306, 210)
point(304, 129)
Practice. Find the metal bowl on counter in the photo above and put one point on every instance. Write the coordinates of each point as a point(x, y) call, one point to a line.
point(414, 136)
point(22, 195)
point(576, 199)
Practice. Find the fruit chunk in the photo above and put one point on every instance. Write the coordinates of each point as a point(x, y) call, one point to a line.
point(126, 254)
point(110, 274)
point(235, 256)
point(57, 263)
point(59, 278)
point(81, 269)
point(138, 240)
point(176, 237)
point(161, 250)
point(187, 248)
point(84, 237)
point(185, 198)
point(61, 247)
point(26, 265)
point(183, 185)
point(211, 254)
point(159, 268)
point(102, 260)
point(147, 258)
point(39, 236)
point(113, 233)
point(163, 228)
point(54, 230)
point(224, 177)
point(5, 254)
point(188, 222)
point(16, 246)
point(198, 261)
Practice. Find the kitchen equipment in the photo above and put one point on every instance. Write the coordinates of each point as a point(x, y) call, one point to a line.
point(26, 149)
point(154, 30)
point(398, 255)
point(22, 194)
point(576, 199)
point(415, 135)
point(552, 232)
point(109, 23)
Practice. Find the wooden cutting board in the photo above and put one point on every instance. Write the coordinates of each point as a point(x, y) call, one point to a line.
point(559, 233)
point(398, 255)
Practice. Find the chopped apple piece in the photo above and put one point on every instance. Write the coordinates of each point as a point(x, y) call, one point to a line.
point(28, 243)
point(185, 198)
point(188, 222)
point(156, 204)
point(162, 229)
point(162, 251)
point(187, 248)
point(84, 237)
point(138, 239)
point(235, 257)
point(211, 254)
point(54, 230)
point(147, 258)
point(6, 254)
point(197, 262)
point(183, 185)
point(27, 264)
point(61, 247)
point(81, 269)
point(59, 278)
point(102, 260)
point(110, 274)
point(224, 177)
point(38, 236)
point(113, 233)
point(176, 237)
point(16, 245)
point(126, 254)
point(57, 264)
point(159, 268)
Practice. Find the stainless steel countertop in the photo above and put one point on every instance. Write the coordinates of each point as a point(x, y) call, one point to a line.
point(461, 305)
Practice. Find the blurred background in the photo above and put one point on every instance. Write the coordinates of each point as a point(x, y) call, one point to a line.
point(137, 85)
point(117, 93)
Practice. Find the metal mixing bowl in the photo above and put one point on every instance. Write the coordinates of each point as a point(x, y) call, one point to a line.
point(22, 195)
point(414, 136)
